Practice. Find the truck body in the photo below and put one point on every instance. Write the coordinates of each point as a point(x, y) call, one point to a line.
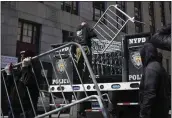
point(116, 64)
point(118, 73)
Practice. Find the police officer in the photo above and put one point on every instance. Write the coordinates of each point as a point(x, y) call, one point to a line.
point(26, 86)
point(84, 34)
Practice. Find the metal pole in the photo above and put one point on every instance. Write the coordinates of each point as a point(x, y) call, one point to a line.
point(50, 106)
point(131, 19)
point(124, 60)
point(77, 102)
point(91, 72)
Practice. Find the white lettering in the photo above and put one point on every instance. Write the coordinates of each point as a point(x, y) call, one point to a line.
point(65, 81)
point(61, 81)
point(130, 41)
point(130, 77)
point(143, 40)
point(135, 77)
point(137, 40)
point(55, 81)
point(139, 77)
point(63, 49)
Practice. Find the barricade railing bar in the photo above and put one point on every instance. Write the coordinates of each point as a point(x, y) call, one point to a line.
point(25, 91)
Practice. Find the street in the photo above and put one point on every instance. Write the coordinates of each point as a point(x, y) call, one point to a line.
point(53, 116)
point(61, 116)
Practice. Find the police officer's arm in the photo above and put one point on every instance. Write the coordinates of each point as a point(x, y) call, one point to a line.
point(149, 93)
point(84, 34)
point(9, 82)
point(11, 76)
point(8, 78)
point(26, 72)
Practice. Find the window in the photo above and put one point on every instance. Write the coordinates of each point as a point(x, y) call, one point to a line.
point(170, 6)
point(121, 5)
point(67, 35)
point(151, 17)
point(162, 13)
point(27, 32)
point(28, 37)
point(137, 12)
point(98, 9)
point(69, 6)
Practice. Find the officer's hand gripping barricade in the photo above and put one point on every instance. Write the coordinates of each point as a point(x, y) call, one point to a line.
point(51, 56)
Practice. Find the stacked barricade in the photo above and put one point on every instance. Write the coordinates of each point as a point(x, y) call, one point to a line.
point(22, 99)
point(108, 27)
point(107, 63)
point(107, 47)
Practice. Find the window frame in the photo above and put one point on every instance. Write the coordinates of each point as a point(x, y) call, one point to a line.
point(151, 15)
point(34, 25)
point(162, 13)
point(100, 8)
point(138, 6)
point(72, 11)
point(69, 33)
point(170, 6)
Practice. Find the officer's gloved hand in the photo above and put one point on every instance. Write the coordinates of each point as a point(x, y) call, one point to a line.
point(26, 62)
point(8, 69)
point(83, 23)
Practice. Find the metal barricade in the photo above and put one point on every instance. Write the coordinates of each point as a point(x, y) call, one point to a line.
point(109, 25)
point(35, 82)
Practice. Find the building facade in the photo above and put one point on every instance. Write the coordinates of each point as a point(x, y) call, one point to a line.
point(37, 25)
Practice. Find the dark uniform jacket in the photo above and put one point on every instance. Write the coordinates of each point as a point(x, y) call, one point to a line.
point(84, 34)
point(24, 78)
point(154, 85)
